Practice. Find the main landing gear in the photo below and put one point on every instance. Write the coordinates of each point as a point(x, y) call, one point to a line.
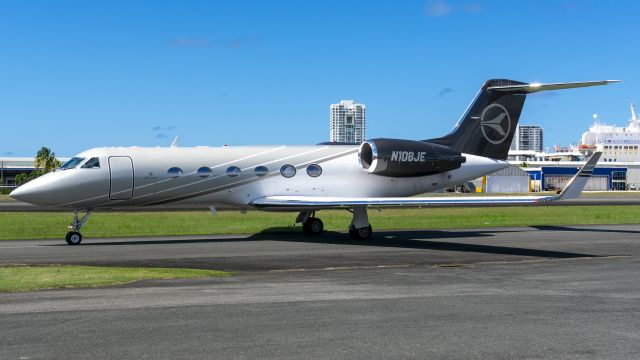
point(74, 237)
point(311, 225)
point(359, 229)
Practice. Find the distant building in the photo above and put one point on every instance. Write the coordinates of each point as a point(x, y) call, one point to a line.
point(527, 138)
point(347, 122)
point(12, 166)
point(617, 144)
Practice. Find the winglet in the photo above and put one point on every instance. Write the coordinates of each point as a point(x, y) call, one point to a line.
point(577, 183)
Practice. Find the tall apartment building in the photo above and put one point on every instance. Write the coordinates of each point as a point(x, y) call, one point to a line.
point(527, 137)
point(347, 122)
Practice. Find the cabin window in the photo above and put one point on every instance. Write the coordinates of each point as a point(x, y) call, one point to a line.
point(204, 171)
point(93, 163)
point(314, 170)
point(288, 170)
point(72, 163)
point(261, 171)
point(233, 171)
point(174, 172)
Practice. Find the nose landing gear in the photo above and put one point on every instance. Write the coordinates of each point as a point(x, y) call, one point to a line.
point(74, 237)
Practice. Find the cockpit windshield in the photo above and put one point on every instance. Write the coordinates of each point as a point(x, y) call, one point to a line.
point(93, 163)
point(72, 163)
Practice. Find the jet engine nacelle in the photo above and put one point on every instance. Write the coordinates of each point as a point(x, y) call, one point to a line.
point(406, 158)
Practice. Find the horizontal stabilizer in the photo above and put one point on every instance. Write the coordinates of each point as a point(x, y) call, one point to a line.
point(535, 87)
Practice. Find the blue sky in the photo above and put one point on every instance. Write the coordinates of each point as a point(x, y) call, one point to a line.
point(81, 74)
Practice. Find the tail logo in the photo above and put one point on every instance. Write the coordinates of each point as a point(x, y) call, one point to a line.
point(495, 123)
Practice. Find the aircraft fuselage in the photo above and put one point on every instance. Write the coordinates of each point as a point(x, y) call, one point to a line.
point(136, 176)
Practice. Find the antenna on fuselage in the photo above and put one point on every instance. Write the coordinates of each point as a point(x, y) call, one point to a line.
point(175, 142)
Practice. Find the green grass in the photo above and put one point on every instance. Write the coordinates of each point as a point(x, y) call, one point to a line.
point(30, 278)
point(28, 225)
point(5, 197)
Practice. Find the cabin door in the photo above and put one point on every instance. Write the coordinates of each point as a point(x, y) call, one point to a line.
point(121, 178)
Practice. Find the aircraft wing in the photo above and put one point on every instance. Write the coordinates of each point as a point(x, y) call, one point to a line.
point(573, 190)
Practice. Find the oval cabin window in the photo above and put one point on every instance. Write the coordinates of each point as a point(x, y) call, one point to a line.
point(314, 170)
point(233, 171)
point(204, 171)
point(174, 172)
point(261, 171)
point(288, 170)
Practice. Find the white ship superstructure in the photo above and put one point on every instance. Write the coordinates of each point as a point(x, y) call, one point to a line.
point(618, 144)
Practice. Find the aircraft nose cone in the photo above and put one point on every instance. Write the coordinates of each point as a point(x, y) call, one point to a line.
point(23, 193)
point(33, 192)
point(15, 194)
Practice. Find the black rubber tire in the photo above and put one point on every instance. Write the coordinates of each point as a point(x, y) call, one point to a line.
point(73, 238)
point(313, 226)
point(361, 233)
point(353, 234)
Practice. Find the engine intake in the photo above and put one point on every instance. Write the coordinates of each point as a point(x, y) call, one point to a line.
point(406, 158)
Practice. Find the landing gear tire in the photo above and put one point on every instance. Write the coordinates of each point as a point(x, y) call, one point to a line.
point(73, 238)
point(313, 226)
point(363, 233)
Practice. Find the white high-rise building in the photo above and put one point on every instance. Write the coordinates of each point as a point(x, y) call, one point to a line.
point(527, 137)
point(347, 122)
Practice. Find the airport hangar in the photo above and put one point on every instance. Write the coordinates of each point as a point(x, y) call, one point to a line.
point(540, 175)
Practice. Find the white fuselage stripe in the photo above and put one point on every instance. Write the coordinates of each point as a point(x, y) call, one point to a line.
point(245, 181)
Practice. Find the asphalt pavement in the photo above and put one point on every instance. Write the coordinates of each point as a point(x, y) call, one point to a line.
point(538, 293)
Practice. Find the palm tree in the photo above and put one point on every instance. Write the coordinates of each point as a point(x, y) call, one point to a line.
point(46, 160)
point(21, 178)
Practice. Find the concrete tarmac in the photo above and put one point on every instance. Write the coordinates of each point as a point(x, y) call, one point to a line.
point(539, 293)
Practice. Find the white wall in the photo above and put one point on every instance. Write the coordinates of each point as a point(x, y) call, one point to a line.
point(507, 184)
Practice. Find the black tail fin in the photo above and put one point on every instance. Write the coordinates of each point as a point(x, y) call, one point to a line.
point(487, 127)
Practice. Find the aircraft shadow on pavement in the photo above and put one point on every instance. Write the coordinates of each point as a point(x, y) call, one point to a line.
point(282, 234)
point(427, 240)
point(588, 229)
point(417, 239)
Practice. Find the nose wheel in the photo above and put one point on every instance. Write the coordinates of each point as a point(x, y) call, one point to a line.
point(74, 237)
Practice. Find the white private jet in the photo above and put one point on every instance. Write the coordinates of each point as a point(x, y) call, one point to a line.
point(304, 179)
